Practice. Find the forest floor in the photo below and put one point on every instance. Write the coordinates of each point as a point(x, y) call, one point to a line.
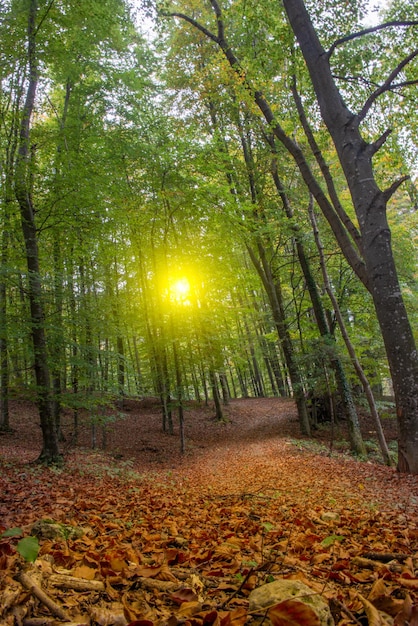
point(145, 535)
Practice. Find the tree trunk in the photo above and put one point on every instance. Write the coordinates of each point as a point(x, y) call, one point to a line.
point(273, 290)
point(219, 416)
point(370, 202)
point(4, 361)
point(350, 348)
point(343, 386)
point(50, 451)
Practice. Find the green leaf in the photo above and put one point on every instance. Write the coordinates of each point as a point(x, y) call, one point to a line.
point(12, 532)
point(328, 541)
point(28, 547)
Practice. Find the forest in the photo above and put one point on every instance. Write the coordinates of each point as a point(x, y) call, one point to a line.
point(204, 210)
point(208, 216)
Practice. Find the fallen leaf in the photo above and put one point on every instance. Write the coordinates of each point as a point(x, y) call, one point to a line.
point(293, 613)
point(183, 595)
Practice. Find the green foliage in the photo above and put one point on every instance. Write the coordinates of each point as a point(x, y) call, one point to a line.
point(27, 547)
point(331, 539)
point(12, 532)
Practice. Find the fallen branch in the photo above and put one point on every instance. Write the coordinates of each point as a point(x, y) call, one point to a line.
point(63, 581)
point(49, 621)
point(386, 557)
point(27, 582)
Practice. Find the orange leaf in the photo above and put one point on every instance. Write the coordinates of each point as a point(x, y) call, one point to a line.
point(83, 571)
point(148, 572)
point(189, 608)
point(373, 615)
point(293, 613)
point(183, 595)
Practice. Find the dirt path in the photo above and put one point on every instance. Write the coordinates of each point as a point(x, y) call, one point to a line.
point(258, 447)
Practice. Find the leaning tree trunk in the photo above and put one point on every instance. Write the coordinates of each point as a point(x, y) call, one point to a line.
point(50, 451)
point(370, 203)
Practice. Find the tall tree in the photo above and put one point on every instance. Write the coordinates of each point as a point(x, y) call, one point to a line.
point(23, 191)
point(370, 202)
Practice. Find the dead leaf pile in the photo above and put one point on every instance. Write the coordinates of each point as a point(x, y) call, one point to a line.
point(189, 544)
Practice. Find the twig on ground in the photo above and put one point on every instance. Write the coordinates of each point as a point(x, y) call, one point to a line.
point(27, 582)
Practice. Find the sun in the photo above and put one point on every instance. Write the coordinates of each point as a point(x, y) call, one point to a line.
point(180, 290)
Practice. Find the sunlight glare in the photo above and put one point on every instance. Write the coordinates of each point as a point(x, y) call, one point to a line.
point(180, 290)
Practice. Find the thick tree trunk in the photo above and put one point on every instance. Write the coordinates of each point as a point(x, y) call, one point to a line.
point(369, 201)
point(50, 451)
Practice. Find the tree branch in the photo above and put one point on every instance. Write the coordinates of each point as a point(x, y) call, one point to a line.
point(387, 85)
point(376, 145)
point(367, 31)
point(388, 193)
point(27, 582)
point(351, 228)
point(194, 23)
point(219, 20)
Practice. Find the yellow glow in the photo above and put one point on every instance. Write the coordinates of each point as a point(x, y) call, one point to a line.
point(180, 290)
point(181, 287)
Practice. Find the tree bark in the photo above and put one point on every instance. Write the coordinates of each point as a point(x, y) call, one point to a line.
point(50, 451)
point(370, 203)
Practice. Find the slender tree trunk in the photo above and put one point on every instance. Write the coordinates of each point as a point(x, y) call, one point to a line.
point(58, 352)
point(179, 393)
point(74, 348)
point(356, 363)
point(50, 451)
point(219, 416)
point(4, 361)
point(343, 386)
point(273, 290)
point(370, 204)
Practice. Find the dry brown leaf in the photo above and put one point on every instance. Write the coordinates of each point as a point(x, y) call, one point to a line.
point(375, 617)
point(293, 613)
point(188, 609)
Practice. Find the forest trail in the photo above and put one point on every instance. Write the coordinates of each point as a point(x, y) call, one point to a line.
point(249, 500)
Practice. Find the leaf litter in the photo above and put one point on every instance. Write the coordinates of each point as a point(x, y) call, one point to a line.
point(157, 538)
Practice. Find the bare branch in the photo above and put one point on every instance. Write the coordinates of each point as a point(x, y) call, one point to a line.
point(388, 193)
point(367, 31)
point(387, 85)
point(405, 83)
point(194, 23)
point(45, 15)
point(324, 168)
point(219, 20)
point(376, 145)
